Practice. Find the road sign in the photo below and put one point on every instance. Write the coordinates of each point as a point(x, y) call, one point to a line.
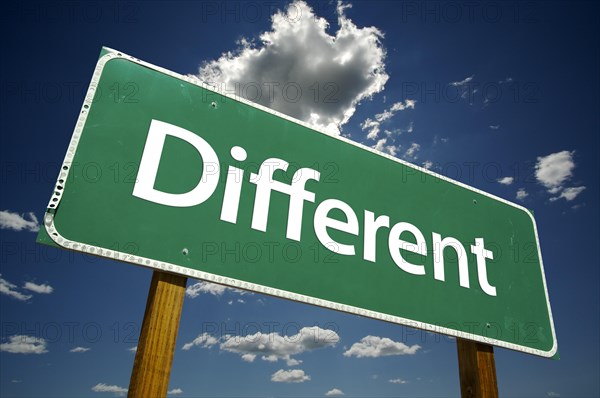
point(164, 172)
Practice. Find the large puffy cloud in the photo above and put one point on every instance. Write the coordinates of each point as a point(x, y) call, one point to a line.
point(333, 72)
point(374, 346)
point(270, 347)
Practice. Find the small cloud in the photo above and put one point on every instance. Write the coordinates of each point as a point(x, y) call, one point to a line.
point(132, 349)
point(289, 376)
point(373, 126)
point(522, 194)
point(175, 391)
point(462, 82)
point(382, 146)
point(495, 127)
point(428, 164)
point(17, 222)
point(411, 152)
point(41, 289)
point(398, 381)
point(16, 381)
point(10, 290)
point(506, 180)
point(335, 392)
point(569, 194)
point(553, 394)
point(554, 170)
point(204, 340)
point(506, 80)
point(80, 349)
point(101, 387)
point(375, 347)
point(21, 344)
point(199, 288)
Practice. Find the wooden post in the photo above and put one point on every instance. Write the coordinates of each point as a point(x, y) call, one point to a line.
point(477, 370)
point(156, 346)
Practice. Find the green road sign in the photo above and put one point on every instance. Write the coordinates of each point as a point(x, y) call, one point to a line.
point(164, 172)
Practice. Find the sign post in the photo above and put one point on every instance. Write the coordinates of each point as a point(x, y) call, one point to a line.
point(477, 370)
point(156, 345)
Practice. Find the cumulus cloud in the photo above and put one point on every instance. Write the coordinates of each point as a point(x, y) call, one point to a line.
point(335, 392)
point(80, 349)
point(289, 376)
point(554, 170)
point(175, 391)
point(21, 344)
point(374, 347)
point(301, 70)
point(270, 347)
point(397, 381)
point(522, 194)
point(101, 387)
point(10, 290)
point(17, 222)
point(506, 180)
point(428, 164)
point(40, 289)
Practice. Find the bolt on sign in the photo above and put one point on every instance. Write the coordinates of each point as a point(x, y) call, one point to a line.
point(165, 172)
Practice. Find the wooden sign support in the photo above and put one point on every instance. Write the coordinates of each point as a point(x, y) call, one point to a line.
point(477, 370)
point(156, 346)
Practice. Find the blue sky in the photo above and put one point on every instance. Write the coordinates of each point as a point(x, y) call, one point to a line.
point(501, 96)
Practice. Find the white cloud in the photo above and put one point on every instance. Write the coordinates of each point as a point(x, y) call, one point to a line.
point(568, 194)
point(553, 394)
point(289, 376)
point(41, 289)
point(333, 71)
point(428, 164)
point(21, 344)
point(132, 349)
point(101, 387)
point(495, 127)
point(554, 170)
point(175, 391)
point(204, 340)
point(397, 381)
point(17, 222)
point(506, 180)
point(10, 290)
point(522, 194)
point(271, 347)
point(80, 349)
point(389, 149)
point(373, 126)
point(199, 288)
point(462, 82)
point(374, 347)
point(411, 152)
point(335, 392)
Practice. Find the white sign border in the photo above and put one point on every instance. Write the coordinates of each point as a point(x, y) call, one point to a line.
point(238, 284)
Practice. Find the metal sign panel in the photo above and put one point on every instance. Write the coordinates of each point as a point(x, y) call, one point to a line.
point(165, 172)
